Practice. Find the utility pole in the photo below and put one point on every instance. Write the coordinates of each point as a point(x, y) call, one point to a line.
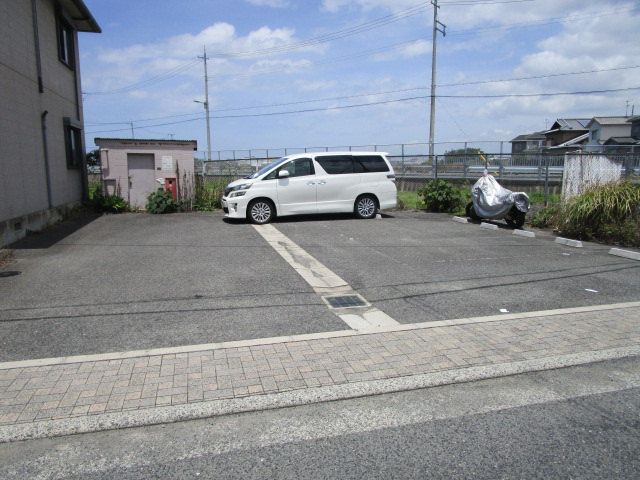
point(436, 29)
point(206, 103)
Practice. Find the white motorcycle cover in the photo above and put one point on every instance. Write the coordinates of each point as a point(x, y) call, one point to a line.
point(492, 201)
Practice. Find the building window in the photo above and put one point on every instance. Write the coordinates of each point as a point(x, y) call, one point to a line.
point(66, 49)
point(73, 143)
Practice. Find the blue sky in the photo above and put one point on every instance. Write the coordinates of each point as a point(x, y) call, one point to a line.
point(296, 73)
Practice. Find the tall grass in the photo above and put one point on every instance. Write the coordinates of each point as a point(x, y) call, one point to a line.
point(608, 213)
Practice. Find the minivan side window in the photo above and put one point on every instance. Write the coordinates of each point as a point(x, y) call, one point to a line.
point(300, 167)
point(369, 163)
point(336, 164)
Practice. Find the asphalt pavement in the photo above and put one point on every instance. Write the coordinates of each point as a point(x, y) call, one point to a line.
point(131, 320)
point(131, 282)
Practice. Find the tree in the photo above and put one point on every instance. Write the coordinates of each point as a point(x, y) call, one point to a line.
point(93, 158)
point(462, 151)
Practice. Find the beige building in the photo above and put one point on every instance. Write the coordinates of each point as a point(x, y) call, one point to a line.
point(134, 168)
point(42, 152)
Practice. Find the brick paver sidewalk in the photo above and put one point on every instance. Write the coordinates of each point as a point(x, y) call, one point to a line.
point(66, 388)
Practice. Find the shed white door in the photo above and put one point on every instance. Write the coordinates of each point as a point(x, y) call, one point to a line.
point(142, 179)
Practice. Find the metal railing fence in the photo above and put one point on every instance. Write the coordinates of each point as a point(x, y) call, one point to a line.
point(523, 171)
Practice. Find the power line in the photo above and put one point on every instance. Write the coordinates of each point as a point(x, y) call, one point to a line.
point(383, 21)
point(383, 102)
point(536, 77)
point(340, 34)
point(346, 97)
point(373, 24)
point(543, 22)
point(150, 81)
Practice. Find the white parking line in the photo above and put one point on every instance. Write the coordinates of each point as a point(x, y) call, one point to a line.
point(324, 281)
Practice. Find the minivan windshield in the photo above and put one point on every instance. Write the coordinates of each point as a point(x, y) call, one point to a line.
point(268, 167)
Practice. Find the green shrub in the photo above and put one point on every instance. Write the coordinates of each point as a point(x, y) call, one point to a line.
point(443, 196)
point(105, 203)
point(608, 213)
point(161, 201)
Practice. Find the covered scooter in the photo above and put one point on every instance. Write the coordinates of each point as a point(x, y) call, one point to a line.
point(493, 202)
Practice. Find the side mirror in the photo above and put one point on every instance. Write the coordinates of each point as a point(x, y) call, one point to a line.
point(283, 174)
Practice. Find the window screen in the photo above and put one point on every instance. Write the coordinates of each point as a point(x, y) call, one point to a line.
point(336, 164)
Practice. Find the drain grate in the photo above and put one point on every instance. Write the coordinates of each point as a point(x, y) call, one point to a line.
point(346, 301)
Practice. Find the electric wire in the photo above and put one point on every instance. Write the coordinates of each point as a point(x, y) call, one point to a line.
point(368, 94)
point(383, 102)
point(347, 32)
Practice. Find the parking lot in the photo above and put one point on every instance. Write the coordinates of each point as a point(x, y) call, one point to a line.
point(134, 281)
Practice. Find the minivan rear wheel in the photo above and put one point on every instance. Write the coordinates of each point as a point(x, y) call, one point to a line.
point(366, 207)
point(260, 212)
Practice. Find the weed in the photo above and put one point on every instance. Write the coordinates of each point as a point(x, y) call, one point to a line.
point(609, 213)
point(537, 198)
point(105, 203)
point(161, 201)
point(409, 201)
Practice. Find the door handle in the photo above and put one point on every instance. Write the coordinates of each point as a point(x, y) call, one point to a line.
point(322, 183)
point(311, 183)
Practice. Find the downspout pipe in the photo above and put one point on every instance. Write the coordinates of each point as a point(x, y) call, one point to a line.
point(45, 147)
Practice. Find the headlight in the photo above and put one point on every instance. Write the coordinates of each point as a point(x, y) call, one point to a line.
point(238, 194)
point(244, 186)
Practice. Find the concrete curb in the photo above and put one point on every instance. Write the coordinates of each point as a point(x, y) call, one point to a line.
point(170, 414)
point(568, 242)
point(489, 226)
point(41, 362)
point(624, 253)
point(524, 233)
point(460, 220)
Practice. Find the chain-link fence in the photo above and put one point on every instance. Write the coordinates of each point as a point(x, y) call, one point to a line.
point(525, 172)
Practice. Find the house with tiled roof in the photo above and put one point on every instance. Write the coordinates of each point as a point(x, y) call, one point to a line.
point(564, 130)
point(528, 143)
point(602, 129)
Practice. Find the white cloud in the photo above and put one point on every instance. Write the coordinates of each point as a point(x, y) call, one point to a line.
point(125, 66)
point(270, 3)
point(314, 86)
point(394, 5)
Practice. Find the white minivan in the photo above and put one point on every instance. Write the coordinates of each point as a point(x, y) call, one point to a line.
point(327, 182)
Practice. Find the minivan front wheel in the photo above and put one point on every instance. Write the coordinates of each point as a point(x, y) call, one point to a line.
point(260, 212)
point(366, 207)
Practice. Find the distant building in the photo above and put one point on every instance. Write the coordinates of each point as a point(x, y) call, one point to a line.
point(134, 168)
point(565, 129)
point(572, 145)
point(601, 129)
point(528, 143)
point(635, 127)
point(42, 153)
